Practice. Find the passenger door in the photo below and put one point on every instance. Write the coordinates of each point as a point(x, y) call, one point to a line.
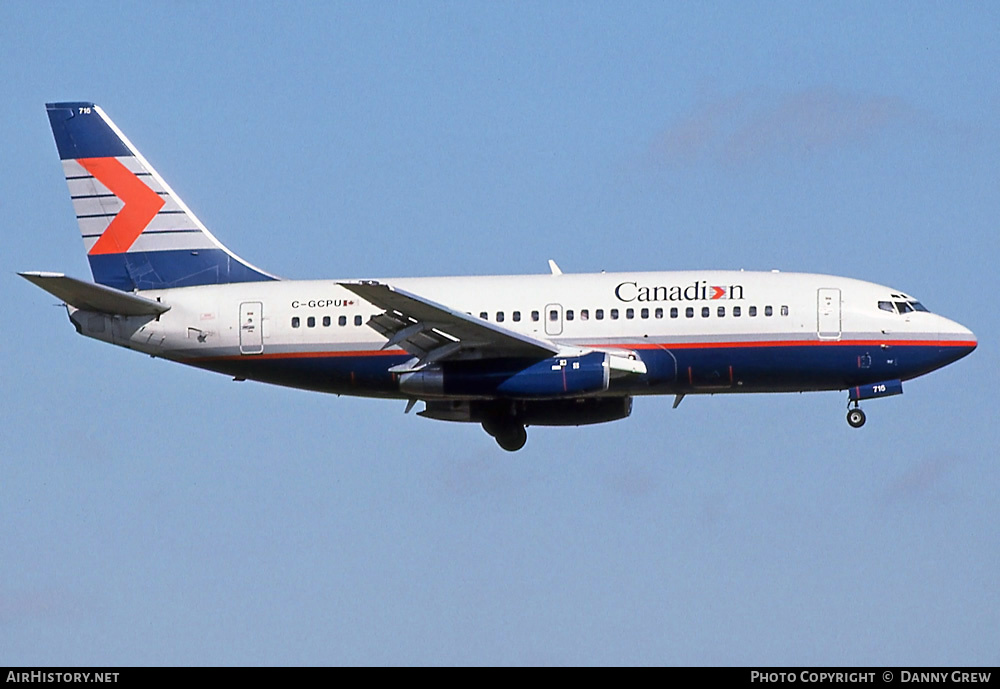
point(828, 313)
point(251, 327)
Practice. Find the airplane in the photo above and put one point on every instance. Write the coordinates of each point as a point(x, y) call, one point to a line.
point(506, 352)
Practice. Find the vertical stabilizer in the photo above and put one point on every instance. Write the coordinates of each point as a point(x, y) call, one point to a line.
point(137, 232)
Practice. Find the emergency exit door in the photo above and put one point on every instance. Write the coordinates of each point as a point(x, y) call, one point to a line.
point(553, 319)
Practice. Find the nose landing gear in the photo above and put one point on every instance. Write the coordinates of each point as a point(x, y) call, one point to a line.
point(867, 391)
point(856, 417)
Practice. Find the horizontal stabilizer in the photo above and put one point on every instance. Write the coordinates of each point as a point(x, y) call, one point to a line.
point(90, 297)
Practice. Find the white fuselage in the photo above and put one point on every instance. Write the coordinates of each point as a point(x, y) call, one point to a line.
point(642, 312)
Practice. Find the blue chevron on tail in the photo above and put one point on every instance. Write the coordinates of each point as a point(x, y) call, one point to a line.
point(137, 232)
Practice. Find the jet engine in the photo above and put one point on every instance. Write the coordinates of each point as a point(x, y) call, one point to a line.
point(556, 377)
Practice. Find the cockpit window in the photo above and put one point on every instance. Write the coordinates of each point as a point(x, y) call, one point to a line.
point(902, 306)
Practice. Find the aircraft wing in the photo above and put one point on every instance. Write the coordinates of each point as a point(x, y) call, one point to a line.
point(432, 331)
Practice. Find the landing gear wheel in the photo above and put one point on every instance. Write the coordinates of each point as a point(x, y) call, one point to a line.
point(494, 428)
point(856, 418)
point(512, 438)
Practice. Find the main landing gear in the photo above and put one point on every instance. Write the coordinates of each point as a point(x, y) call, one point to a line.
point(855, 417)
point(511, 436)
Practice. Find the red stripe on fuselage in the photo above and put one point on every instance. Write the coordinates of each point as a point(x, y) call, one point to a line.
point(300, 355)
point(675, 345)
point(789, 343)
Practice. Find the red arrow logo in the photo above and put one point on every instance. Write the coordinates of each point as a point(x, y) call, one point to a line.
point(140, 204)
point(720, 292)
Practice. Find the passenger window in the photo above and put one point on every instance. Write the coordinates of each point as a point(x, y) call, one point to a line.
point(673, 312)
point(736, 312)
point(659, 313)
point(569, 314)
point(295, 321)
point(584, 314)
point(342, 320)
point(629, 313)
point(485, 316)
point(722, 312)
point(554, 315)
point(886, 306)
point(311, 322)
point(516, 316)
point(689, 312)
point(357, 320)
point(705, 311)
point(784, 310)
point(768, 310)
point(534, 316)
point(326, 321)
point(499, 316)
point(752, 311)
point(614, 314)
point(599, 314)
point(644, 313)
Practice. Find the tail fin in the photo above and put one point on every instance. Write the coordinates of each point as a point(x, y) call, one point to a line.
point(137, 232)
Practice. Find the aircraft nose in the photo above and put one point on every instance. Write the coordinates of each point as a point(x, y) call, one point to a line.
point(973, 341)
point(957, 336)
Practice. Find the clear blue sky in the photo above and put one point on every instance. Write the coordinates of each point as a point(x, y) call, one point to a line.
point(151, 513)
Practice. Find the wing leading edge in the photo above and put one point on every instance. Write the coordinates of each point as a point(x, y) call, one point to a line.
point(433, 332)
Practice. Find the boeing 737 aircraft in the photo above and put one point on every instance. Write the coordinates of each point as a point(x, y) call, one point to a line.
point(503, 351)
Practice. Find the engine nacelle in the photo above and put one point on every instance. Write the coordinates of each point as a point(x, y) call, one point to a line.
point(552, 378)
